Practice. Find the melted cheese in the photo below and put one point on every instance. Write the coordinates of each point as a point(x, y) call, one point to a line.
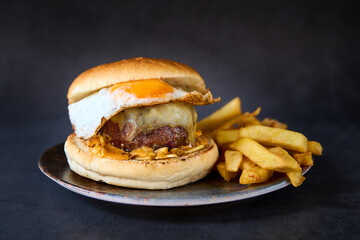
point(148, 118)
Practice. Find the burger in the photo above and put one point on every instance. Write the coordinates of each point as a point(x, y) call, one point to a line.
point(134, 124)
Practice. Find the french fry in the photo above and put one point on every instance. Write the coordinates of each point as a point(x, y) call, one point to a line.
point(283, 153)
point(251, 120)
point(240, 120)
point(225, 137)
point(254, 113)
point(304, 159)
point(246, 163)
point(276, 137)
point(233, 160)
point(255, 175)
point(252, 173)
point(263, 157)
point(269, 122)
point(315, 148)
point(229, 124)
point(257, 147)
point(226, 175)
point(230, 110)
point(296, 178)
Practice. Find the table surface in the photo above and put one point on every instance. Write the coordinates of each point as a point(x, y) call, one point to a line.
point(298, 62)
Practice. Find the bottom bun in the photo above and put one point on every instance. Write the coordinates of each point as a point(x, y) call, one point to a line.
point(145, 174)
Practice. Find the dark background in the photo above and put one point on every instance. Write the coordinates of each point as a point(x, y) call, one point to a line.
point(299, 61)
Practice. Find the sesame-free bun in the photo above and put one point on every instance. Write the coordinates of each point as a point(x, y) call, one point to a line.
point(96, 78)
point(144, 174)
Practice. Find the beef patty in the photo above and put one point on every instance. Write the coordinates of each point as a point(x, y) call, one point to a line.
point(156, 138)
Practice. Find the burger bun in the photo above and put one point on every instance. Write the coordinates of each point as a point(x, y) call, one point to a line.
point(144, 174)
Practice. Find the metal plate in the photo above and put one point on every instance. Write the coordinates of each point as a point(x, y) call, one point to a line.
point(210, 190)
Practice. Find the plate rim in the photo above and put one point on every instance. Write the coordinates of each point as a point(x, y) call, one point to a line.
point(162, 202)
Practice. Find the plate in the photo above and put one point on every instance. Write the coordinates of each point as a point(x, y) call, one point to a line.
point(210, 190)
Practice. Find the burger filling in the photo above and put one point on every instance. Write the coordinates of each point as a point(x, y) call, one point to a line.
point(166, 125)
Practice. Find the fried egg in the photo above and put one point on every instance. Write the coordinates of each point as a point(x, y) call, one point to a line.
point(90, 114)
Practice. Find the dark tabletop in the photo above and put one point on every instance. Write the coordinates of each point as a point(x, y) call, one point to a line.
point(299, 62)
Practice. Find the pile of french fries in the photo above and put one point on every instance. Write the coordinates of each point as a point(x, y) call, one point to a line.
point(254, 149)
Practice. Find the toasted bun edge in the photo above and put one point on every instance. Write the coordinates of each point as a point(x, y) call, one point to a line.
point(142, 174)
point(96, 78)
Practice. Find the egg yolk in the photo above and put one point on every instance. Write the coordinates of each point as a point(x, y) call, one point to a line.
point(149, 88)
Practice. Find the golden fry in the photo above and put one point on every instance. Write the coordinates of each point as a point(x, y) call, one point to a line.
point(255, 175)
point(248, 120)
point(240, 120)
point(226, 175)
point(257, 147)
point(315, 148)
point(263, 157)
point(230, 123)
point(276, 137)
point(233, 160)
point(225, 137)
point(230, 110)
point(304, 159)
point(246, 163)
point(269, 122)
point(283, 153)
point(255, 113)
point(296, 178)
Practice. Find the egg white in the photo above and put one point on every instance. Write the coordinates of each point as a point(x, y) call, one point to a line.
point(89, 114)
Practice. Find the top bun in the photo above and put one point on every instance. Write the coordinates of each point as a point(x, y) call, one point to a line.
point(96, 78)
